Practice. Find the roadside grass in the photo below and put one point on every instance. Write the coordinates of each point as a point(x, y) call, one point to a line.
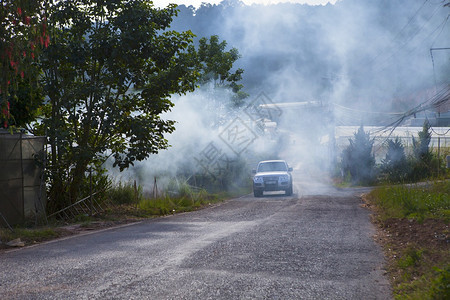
point(187, 200)
point(431, 283)
point(414, 223)
point(128, 203)
point(430, 200)
point(29, 235)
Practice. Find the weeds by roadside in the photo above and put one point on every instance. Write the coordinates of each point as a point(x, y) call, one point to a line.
point(29, 236)
point(414, 231)
point(414, 201)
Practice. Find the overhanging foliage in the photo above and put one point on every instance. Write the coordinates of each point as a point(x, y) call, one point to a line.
point(108, 75)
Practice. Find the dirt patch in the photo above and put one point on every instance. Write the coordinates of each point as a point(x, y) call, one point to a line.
point(430, 233)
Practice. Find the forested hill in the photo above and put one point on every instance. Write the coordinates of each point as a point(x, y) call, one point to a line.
point(355, 51)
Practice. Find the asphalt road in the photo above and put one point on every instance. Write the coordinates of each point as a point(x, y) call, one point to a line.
point(314, 245)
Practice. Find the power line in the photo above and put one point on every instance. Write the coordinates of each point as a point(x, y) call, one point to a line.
point(386, 62)
point(432, 59)
point(437, 100)
point(442, 29)
point(401, 30)
point(384, 57)
point(365, 111)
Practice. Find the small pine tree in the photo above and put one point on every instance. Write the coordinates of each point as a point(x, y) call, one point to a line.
point(357, 158)
point(422, 155)
point(421, 146)
point(395, 164)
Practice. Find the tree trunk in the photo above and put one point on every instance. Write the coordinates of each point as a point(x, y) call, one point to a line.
point(77, 180)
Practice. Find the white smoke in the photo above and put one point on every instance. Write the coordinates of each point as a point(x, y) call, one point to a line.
point(360, 55)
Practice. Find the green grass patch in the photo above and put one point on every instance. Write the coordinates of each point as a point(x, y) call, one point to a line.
point(410, 258)
point(413, 201)
point(158, 206)
point(129, 200)
point(421, 273)
point(28, 235)
point(434, 284)
point(183, 200)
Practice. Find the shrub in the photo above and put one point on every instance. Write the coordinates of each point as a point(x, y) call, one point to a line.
point(421, 147)
point(358, 160)
point(395, 165)
point(421, 160)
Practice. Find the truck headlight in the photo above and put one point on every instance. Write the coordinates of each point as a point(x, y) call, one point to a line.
point(258, 179)
point(284, 178)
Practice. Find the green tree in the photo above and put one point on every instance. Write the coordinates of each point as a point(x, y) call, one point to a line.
point(217, 64)
point(421, 146)
point(422, 155)
point(108, 74)
point(395, 164)
point(357, 158)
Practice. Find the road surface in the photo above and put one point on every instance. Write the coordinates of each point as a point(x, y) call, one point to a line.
point(314, 245)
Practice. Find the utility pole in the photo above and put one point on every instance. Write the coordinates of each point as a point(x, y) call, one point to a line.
point(434, 73)
point(432, 59)
point(439, 113)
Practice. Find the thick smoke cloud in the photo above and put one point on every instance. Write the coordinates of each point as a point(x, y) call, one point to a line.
point(366, 51)
point(210, 135)
point(352, 57)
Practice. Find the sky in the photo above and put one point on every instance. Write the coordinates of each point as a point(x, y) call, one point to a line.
point(197, 3)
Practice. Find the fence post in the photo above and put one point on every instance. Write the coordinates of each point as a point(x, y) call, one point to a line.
point(135, 194)
point(439, 156)
point(90, 192)
point(155, 188)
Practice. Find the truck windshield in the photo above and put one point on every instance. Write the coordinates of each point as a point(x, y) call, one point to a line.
point(272, 166)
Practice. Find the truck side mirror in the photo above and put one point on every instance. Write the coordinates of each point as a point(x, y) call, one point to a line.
point(290, 169)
